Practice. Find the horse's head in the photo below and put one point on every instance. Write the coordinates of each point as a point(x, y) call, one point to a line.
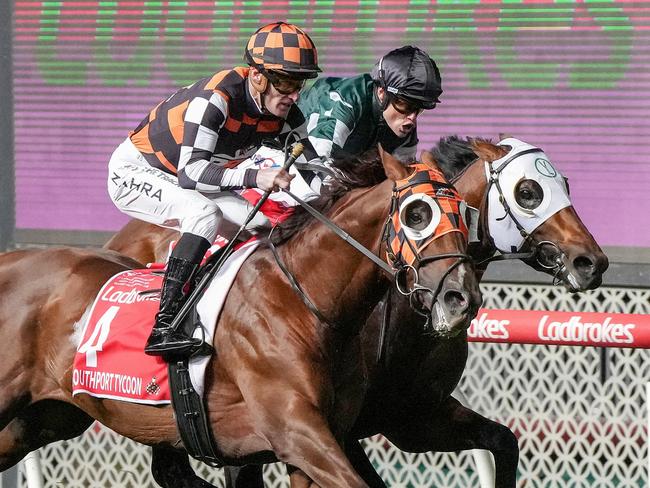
point(426, 240)
point(526, 208)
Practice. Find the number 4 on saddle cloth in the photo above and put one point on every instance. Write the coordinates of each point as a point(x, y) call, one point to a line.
point(110, 360)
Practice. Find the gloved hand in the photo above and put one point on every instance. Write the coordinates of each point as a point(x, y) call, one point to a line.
point(272, 179)
point(324, 167)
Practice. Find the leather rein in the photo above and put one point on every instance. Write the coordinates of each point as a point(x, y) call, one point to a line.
point(395, 272)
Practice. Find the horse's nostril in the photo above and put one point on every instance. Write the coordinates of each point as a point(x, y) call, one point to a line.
point(456, 302)
point(584, 265)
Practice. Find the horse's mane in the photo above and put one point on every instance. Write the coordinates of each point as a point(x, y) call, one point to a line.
point(355, 172)
point(454, 154)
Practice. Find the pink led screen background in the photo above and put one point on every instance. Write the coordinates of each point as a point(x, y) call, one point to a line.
point(570, 77)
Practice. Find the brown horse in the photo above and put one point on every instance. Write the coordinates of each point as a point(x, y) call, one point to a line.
point(408, 401)
point(285, 386)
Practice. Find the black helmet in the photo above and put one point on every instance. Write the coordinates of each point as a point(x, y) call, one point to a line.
point(409, 72)
point(283, 47)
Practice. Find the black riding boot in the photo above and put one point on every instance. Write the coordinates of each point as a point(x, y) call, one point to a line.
point(164, 340)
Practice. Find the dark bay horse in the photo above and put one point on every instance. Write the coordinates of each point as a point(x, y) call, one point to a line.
point(408, 400)
point(285, 386)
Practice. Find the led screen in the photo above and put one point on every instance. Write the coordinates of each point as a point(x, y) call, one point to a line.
point(570, 77)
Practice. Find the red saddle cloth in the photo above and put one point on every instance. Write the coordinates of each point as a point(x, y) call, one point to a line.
point(110, 362)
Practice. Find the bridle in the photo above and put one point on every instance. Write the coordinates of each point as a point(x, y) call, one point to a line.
point(557, 266)
point(403, 268)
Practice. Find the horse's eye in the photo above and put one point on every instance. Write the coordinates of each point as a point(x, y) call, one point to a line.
point(418, 215)
point(529, 194)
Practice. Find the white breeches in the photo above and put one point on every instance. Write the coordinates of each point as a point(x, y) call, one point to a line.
point(147, 193)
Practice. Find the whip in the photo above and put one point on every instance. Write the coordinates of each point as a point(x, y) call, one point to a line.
point(210, 268)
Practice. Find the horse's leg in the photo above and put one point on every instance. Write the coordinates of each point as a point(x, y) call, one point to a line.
point(295, 429)
point(362, 464)
point(453, 427)
point(309, 443)
point(36, 426)
point(483, 461)
point(249, 476)
point(171, 469)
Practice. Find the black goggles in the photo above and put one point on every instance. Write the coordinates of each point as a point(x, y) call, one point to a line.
point(406, 107)
point(285, 85)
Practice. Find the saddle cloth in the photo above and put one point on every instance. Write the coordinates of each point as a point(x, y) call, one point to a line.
point(110, 362)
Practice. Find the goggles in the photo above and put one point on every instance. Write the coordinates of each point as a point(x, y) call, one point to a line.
point(285, 85)
point(406, 107)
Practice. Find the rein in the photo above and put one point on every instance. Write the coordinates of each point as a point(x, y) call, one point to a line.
point(342, 234)
point(395, 272)
point(296, 287)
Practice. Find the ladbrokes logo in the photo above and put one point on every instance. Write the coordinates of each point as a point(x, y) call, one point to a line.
point(123, 296)
point(483, 327)
point(574, 330)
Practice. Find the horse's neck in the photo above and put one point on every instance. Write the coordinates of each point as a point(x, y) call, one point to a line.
point(342, 282)
point(473, 186)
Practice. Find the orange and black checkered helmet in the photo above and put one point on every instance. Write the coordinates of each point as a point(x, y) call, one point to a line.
point(285, 48)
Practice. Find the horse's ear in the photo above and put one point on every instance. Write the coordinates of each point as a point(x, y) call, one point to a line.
point(504, 135)
point(488, 151)
point(427, 157)
point(393, 167)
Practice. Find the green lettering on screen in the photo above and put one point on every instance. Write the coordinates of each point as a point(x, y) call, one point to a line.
point(364, 52)
point(519, 24)
point(617, 33)
point(188, 59)
point(55, 69)
point(454, 32)
point(117, 68)
point(455, 37)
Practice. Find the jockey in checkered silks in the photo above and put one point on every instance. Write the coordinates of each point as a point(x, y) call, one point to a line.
point(179, 167)
point(348, 116)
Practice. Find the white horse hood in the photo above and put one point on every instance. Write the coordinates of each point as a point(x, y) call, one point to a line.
point(532, 164)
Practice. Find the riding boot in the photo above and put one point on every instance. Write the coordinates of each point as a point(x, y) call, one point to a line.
point(164, 340)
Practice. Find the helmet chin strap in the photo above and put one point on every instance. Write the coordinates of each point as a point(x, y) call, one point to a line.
point(382, 125)
point(258, 91)
point(382, 103)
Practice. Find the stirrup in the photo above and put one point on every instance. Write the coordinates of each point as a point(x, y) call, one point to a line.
point(174, 345)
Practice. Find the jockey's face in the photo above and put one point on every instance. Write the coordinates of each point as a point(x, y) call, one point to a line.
point(279, 103)
point(399, 115)
point(276, 101)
